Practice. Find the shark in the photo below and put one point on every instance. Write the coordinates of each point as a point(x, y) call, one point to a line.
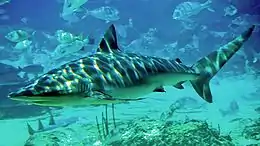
point(113, 76)
point(52, 124)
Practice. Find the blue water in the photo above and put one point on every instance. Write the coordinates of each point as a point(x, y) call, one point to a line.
point(44, 16)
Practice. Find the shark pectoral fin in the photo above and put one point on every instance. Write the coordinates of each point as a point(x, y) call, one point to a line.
point(30, 129)
point(40, 125)
point(159, 89)
point(179, 85)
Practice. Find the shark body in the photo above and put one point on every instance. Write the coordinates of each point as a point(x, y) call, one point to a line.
point(112, 76)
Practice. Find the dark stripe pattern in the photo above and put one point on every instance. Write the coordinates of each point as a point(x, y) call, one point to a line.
point(104, 71)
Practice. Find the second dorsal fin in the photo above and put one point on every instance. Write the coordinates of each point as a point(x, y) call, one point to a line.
point(108, 43)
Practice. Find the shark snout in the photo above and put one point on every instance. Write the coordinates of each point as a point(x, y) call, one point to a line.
point(20, 93)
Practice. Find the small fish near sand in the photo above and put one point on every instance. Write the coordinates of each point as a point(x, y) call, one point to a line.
point(232, 109)
point(2, 2)
point(105, 13)
point(257, 110)
point(113, 76)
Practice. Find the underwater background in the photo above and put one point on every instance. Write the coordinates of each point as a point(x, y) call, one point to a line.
point(39, 35)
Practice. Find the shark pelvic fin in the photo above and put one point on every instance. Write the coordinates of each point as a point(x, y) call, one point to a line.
point(179, 85)
point(159, 89)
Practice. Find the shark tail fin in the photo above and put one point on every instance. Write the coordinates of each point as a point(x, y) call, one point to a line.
point(211, 64)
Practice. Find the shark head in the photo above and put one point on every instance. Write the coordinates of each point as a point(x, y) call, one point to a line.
point(57, 86)
point(77, 83)
point(72, 83)
point(61, 87)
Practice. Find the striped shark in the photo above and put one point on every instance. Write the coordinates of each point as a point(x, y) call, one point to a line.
point(112, 76)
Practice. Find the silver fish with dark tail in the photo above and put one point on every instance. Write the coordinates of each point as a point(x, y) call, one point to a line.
point(112, 76)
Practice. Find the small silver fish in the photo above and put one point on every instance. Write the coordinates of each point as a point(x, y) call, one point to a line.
point(4, 17)
point(66, 37)
point(105, 13)
point(2, 11)
point(257, 110)
point(67, 48)
point(185, 10)
point(23, 45)
point(232, 109)
point(17, 36)
point(220, 34)
point(71, 6)
point(122, 28)
point(70, 18)
point(2, 2)
point(76, 4)
point(230, 10)
point(32, 69)
point(246, 19)
point(24, 20)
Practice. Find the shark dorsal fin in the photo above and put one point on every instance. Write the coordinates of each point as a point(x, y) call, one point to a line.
point(108, 43)
point(30, 129)
point(40, 125)
point(51, 122)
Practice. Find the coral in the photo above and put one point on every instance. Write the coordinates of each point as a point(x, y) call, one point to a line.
point(138, 132)
point(147, 132)
point(252, 130)
point(71, 135)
